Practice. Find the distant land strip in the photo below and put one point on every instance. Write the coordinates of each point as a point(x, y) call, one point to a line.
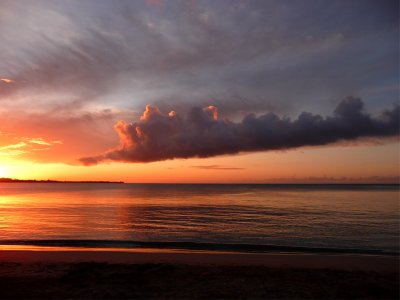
point(11, 180)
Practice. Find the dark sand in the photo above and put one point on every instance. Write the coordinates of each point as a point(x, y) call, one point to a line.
point(143, 274)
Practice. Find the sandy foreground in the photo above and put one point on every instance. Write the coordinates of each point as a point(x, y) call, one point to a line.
point(44, 273)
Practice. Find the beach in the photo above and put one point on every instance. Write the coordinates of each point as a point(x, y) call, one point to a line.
point(38, 273)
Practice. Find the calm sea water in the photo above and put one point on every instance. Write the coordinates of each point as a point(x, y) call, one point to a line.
point(358, 217)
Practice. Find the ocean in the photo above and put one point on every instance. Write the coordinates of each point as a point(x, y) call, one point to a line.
point(354, 218)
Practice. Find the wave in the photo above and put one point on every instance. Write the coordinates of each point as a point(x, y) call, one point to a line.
point(264, 248)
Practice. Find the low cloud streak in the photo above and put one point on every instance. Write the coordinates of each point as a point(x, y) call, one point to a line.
point(201, 133)
point(217, 167)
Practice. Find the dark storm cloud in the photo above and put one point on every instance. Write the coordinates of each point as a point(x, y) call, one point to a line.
point(201, 133)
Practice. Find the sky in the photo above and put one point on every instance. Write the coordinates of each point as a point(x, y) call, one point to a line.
point(200, 91)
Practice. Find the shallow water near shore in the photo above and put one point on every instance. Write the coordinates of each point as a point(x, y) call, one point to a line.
point(364, 217)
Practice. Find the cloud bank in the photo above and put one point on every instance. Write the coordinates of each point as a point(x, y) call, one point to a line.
point(182, 53)
point(201, 133)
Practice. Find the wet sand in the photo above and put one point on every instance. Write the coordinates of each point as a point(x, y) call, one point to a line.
point(140, 256)
point(155, 273)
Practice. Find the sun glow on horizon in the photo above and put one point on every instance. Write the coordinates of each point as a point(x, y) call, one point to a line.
point(4, 172)
point(308, 165)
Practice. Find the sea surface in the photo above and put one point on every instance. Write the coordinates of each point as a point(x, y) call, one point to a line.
point(357, 217)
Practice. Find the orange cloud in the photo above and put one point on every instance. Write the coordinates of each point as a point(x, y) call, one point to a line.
point(212, 110)
point(217, 167)
point(6, 80)
point(24, 145)
point(68, 133)
point(40, 141)
point(149, 112)
point(13, 149)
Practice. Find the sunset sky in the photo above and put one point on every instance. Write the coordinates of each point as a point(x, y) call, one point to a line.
point(200, 91)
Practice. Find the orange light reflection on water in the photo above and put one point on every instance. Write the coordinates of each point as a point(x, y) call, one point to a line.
point(101, 249)
point(221, 214)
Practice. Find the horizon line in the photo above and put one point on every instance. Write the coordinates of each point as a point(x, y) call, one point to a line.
point(15, 180)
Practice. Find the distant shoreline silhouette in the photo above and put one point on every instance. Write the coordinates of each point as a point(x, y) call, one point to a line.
point(11, 180)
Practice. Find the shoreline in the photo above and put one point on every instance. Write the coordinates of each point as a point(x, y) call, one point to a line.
point(190, 246)
point(359, 262)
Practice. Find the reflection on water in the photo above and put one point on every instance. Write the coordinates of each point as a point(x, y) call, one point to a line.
point(364, 217)
point(99, 249)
